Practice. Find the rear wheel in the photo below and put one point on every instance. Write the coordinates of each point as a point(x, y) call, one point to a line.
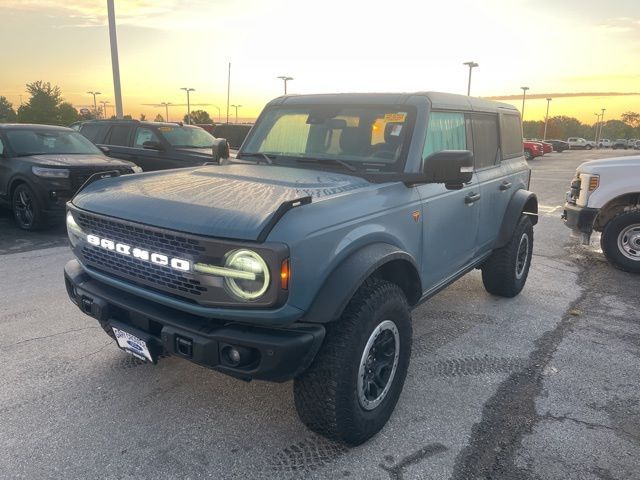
point(620, 241)
point(26, 208)
point(505, 272)
point(528, 155)
point(588, 147)
point(352, 387)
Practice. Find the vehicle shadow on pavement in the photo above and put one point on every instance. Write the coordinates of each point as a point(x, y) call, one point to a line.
point(15, 240)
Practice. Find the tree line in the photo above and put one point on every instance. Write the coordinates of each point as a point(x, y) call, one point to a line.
point(563, 127)
point(46, 106)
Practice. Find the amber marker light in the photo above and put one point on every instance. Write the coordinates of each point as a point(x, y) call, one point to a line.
point(284, 274)
point(594, 181)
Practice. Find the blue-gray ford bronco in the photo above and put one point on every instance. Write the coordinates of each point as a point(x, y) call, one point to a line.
point(303, 257)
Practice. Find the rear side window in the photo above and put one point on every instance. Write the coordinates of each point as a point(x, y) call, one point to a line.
point(510, 136)
point(120, 135)
point(446, 131)
point(144, 135)
point(95, 132)
point(485, 140)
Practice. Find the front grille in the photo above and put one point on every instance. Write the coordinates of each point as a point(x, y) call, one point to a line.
point(166, 243)
point(126, 267)
point(158, 241)
point(79, 175)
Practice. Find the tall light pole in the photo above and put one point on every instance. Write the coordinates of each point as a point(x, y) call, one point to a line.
point(601, 124)
point(228, 90)
point(236, 107)
point(115, 64)
point(95, 104)
point(524, 94)
point(595, 139)
point(471, 66)
point(166, 110)
point(546, 120)
point(217, 108)
point(285, 79)
point(188, 89)
point(104, 108)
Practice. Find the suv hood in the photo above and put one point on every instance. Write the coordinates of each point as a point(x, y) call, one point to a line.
point(227, 201)
point(89, 160)
point(595, 166)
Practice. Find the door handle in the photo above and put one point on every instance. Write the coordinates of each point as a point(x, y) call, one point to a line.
point(505, 186)
point(472, 198)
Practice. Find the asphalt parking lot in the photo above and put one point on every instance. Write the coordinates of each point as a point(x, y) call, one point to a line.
point(542, 386)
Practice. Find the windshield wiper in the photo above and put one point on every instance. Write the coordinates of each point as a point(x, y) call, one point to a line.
point(260, 155)
point(333, 161)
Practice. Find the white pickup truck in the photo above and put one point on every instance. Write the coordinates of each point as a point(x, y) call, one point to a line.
point(605, 197)
point(579, 143)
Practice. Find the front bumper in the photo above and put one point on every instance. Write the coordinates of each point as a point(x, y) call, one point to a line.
point(579, 219)
point(276, 354)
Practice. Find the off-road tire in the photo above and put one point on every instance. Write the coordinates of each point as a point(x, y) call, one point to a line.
point(609, 240)
point(500, 273)
point(326, 394)
point(37, 221)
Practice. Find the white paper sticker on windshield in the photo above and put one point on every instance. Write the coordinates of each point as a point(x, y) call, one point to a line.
point(395, 130)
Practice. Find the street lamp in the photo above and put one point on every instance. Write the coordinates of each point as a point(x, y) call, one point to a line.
point(218, 108)
point(236, 107)
point(601, 123)
point(471, 66)
point(95, 104)
point(285, 79)
point(166, 110)
point(188, 89)
point(524, 94)
point(595, 139)
point(546, 120)
point(104, 108)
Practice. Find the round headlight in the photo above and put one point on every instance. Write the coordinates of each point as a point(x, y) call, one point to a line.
point(250, 262)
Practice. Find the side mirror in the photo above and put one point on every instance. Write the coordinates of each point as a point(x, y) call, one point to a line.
point(220, 149)
point(152, 145)
point(106, 150)
point(451, 167)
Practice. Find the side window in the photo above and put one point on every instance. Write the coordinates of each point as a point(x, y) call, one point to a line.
point(1, 147)
point(119, 135)
point(446, 131)
point(485, 140)
point(510, 136)
point(94, 132)
point(144, 134)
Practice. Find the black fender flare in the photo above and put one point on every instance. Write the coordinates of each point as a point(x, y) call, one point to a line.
point(522, 201)
point(343, 282)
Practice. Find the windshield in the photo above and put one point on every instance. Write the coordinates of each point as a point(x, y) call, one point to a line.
point(49, 142)
point(186, 137)
point(371, 138)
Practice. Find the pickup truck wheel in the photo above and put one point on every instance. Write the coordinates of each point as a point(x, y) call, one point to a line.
point(620, 241)
point(26, 209)
point(351, 388)
point(506, 270)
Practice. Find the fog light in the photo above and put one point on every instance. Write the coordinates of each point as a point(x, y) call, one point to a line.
point(236, 356)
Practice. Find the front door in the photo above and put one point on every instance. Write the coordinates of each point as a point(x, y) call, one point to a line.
point(449, 217)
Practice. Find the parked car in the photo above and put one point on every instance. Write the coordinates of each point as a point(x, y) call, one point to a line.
point(41, 168)
point(303, 257)
point(620, 143)
point(605, 197)
point(233, 133)
point(558, 145)
point(631, 143)
point(532, 149)
point(154, 145)
point(636, 145)
point(604, 143)
point(579, 143)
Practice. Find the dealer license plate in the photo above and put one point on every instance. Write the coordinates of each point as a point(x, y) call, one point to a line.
point(132, 344)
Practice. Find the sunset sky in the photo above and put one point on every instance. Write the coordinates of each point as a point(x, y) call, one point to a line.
point(552, 46)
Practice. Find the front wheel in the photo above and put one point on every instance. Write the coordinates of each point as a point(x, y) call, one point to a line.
point(352, 387)
point(26, 208)
point(620, 241)
point(588, 147)
point(505, 272)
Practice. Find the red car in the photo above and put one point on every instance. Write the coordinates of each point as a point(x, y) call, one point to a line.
point(532, 149)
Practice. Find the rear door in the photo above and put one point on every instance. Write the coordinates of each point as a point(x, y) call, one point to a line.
point(449, 217)
point(151, 159)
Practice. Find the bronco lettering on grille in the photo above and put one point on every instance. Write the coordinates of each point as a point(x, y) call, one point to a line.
point(152, 257)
